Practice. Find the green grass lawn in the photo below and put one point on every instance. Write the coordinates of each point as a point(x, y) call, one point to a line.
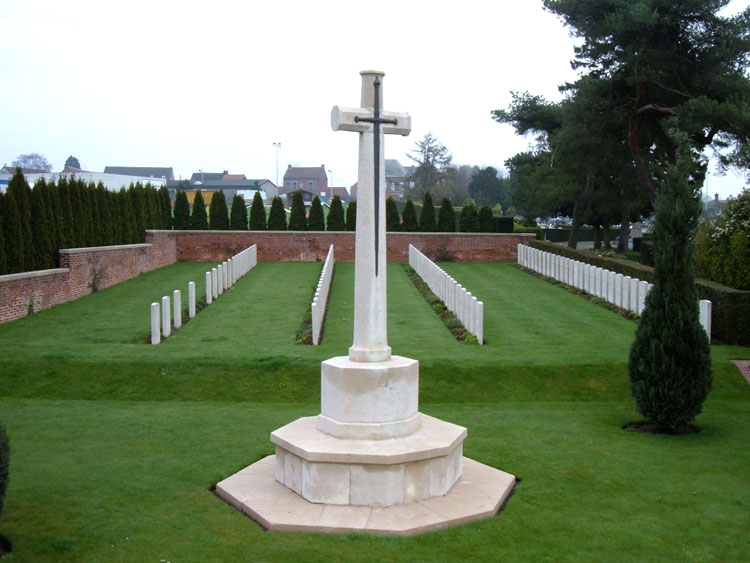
point(116, 444)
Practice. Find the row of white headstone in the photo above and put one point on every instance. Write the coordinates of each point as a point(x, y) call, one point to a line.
point(321, 297)
point(467, 308)
point(622, 291)
point(218, 280)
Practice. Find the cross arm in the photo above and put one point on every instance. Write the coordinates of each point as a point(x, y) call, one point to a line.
point(347, 119)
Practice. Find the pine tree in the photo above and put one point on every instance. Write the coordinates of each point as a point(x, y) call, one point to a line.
point(392, 220)
point(277, 215)
point(258, 214)
point(485, 219)
point(468, 221)
point(181, 212)
point(409, 222)
point(316, 220)
point(138, 206)
point(54, 216)
point(4, 464)
point(297, 219)
point(41, 228)
point(446, 217)
point(165, 208)
point(21, 191)
point(670, 361)
point(238, 214)
point(351, 216)
point(427, 218)
point(335, 220)
point(198, 219)
point(218, 217)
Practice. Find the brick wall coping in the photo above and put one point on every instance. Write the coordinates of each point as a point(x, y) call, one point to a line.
point(103, 248)
point(290, 233)
point(33, 274)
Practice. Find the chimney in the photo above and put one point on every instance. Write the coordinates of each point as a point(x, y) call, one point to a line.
point(716, 198)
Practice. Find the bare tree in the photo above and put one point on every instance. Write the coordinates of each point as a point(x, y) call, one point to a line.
point(33, 161)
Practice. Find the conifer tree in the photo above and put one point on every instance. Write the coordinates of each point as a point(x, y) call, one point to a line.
point(427, 218)
point(14, 247)
point(4, 464)
point(3, 258)
point(67, 239)
point(238, 214)
point(21, 191)
point(258, 213)
point(468, 220)
point(392, 220)
point(181, 212)
point(484, 218)
point(54, 216)
point(104, 219)
point(297, 218)
point(218, 216)
point(277, 215)
point(316, 220)
point(351, 216)
point(409, 222)
point(41, 228)
point(446, 217)
point(138, 206)
point(335, 219)
point(670, 361)
point(165, 208)
point(198, 218)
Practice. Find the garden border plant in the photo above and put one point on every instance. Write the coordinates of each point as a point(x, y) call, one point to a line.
point(451, 322)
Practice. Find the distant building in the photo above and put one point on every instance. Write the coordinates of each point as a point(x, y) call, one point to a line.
point(112, 182)
point(313, 180)
point(232, 184)
point(397, 180)
point(714, 206)
point(142, 171)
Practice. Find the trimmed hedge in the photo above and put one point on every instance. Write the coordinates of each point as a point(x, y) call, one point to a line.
point(730, 308)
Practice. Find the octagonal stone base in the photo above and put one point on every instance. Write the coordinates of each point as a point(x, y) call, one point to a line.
point(478, 494)
point(326, 469)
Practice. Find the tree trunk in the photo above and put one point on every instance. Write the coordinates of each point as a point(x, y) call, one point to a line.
point(607, 245)
point(597, 237)
point(580, 206)
point(622, 241)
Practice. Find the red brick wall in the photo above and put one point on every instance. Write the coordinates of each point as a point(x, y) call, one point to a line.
point(46, 288)
point(273, 246)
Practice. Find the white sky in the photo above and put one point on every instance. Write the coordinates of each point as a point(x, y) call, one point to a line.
point(212, 85)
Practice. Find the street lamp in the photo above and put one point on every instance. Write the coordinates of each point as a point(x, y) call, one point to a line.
point(278, 146)
point(331, 173)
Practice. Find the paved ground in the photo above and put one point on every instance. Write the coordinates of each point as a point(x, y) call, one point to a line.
point(744, 367)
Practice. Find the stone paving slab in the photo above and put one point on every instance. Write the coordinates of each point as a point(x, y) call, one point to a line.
point(744, 367)
point(479, 494)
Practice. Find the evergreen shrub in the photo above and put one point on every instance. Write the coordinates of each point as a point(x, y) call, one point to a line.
point(258, 214)
point(277, 215)
point(316, 220)
point(297, 217)
point(4, 465)
point(670, 359)
point(335, 220)
point(409, 223)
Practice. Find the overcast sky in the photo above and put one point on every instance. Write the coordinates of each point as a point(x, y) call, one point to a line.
point(212, 85)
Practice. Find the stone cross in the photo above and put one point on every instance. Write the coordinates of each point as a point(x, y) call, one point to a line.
point(370, 306)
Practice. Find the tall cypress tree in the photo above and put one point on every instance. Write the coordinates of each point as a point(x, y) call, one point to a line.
point(446, 217)
point(468, 221)
point(335, 219)
point(392, 220)
point(140, 212)
point(218, 218)
point(165, 208)
point(238, 214)
point(66, 213)
point(297, 218)
point(351, 216)
point(427, 218)
point(41, 228)
point(277, 215)
point(54, 215)
point(258, 213)
point(670, 360)
point(21, 191)
point(484, 218)
point(3, 256)
point(409, 218)
point(14, 247)
point(181, 212)
point(198, 218)
point(316, 220)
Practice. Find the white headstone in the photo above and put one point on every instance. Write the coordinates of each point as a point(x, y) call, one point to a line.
point(155, 324)
point(177, 308)
point(166, 322)
point(191, 299)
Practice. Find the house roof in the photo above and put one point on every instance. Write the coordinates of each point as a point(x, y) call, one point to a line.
point(207, 176)
point(234, 177)
point(341, 192)
point(295, 172)
point(9, 169)
point(145, 171)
